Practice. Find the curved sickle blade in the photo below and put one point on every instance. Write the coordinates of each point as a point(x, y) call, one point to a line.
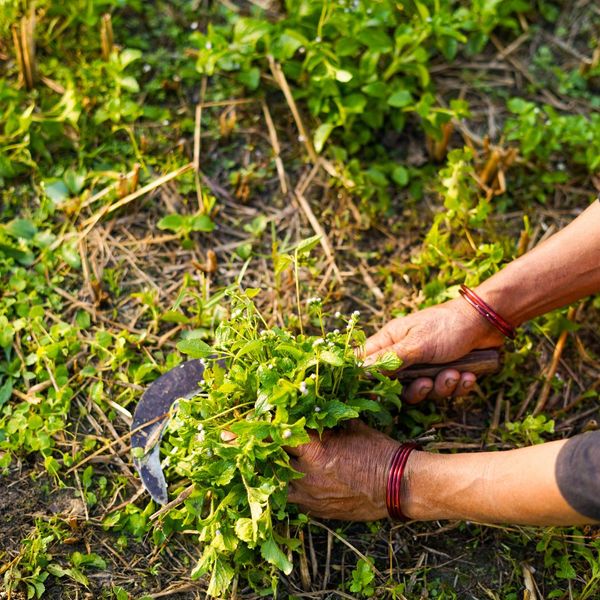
point(154, 408)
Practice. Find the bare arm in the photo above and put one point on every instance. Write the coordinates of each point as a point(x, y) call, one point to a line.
point(564, 268)
point(346, 478)
point(515, 486)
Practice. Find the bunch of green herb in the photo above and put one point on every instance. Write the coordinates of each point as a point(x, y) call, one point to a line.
point(264, 389)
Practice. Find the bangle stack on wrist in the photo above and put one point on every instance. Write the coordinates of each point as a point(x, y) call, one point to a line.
point(394, 482)
point(487, 312)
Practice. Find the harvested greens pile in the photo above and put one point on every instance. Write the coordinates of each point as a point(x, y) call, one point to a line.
point(263, 389)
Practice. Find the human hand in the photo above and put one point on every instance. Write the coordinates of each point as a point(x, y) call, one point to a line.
point(345, 471)
point(435, 335)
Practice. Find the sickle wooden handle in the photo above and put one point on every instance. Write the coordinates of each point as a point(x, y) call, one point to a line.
point(480, 362)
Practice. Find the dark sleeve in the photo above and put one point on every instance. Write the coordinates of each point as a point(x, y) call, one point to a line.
point(578, 474)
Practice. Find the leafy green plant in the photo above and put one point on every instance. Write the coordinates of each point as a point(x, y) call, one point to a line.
point(263, 390)
point(362, 579)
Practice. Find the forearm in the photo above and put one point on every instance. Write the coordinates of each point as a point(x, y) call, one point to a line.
point(516, 486)
point(559, 271)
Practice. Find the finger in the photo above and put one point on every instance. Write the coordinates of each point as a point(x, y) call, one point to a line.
point(378, 341)
point(228, 436)
point(466, 385)
point(407, 350)
point(418, 390)
point(445, 383)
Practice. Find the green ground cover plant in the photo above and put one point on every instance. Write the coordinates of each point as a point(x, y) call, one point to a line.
point(447, 160)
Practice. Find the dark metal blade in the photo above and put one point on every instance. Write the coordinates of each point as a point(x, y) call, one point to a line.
point(154, 408)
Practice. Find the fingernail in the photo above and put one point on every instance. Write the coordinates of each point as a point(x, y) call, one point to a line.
point(468, 385)
point(451, 381)
point(425, 389)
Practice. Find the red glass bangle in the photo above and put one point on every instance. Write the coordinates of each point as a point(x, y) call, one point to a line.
point(487, 312)
point(394, 482)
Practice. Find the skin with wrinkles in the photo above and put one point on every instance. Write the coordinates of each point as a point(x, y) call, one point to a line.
point(346, 471)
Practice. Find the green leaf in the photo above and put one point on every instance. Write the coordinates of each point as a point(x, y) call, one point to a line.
point(244, 529)
point(321, 134)
point(332, 358)
point(282, 262)
point(305, 246)
point(74, 180)
point(250, 78)
point(56, 190)
point(342, 75)
point(21, 228)
point(376, 39)
point(71, 255)
point(400, 175)
point(220, 579)
point(271, 552)
point(194, 348)
point(5, 391)
point(129, 55)
point(400, 99)
point(201, 223)
point(173, 222)
point(388, 362)
point(335, 411)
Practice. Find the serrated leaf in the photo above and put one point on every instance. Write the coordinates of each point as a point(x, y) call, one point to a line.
point(331, 358)
point(221, 576)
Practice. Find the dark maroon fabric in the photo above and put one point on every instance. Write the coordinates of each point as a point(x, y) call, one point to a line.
point(578, 474)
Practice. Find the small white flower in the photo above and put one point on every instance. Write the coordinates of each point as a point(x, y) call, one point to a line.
point(356, 314)
point(194, 25)
point(208, 46)
point(146, 68)
point(218, 532)
point(318, 39)
point(287, 434)
point(209, 454)
point(338, 314)
point(336, 332)
point(349, 327)
point(560, 166)
point(166, 122)
point(303, 388)
point(429, 19)
point(318, 342)
point(313, 375)
point(317, 409)
point(200, 437)
point(301, 138)
point(200, 427)
point(302, 49)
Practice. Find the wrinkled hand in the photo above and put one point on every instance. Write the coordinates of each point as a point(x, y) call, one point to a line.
point(345, 473)
point(437, 334)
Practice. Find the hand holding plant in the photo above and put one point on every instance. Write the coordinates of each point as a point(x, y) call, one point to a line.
point(437, 334)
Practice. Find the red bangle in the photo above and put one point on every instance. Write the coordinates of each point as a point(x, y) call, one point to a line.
point(487, 312)
point(394, 482)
